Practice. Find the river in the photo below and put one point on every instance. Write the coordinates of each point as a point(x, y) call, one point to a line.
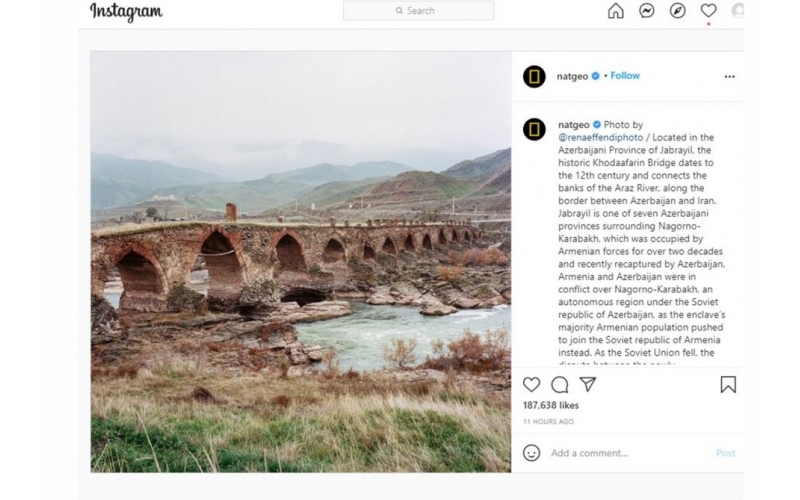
point(360, 337)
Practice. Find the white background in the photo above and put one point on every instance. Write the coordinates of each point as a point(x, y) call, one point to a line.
point(40, 86)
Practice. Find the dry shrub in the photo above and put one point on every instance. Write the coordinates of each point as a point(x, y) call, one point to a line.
point(254, 358)
point(466, 349)
point(484, 257)
point(456, 258)
point(498, 349)
point(366, 385)
point(419, 388)
point(277, 327)
point(187, 347)
point(122, 371)
point(400, 352)
point(128, 371)
point(212, 346)
point(437, 346)
point(470, 352)
point(449, 273)
point(202, 395)
point(282, 401)
point(283, 366)
point(351, 374)
point(330, 361)
point(471, 256)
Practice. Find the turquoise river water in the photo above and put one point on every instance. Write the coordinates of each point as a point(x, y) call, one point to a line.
point(360, 337)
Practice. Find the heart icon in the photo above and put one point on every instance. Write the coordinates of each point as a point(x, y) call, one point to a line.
point(531, 383)
point(708, 9)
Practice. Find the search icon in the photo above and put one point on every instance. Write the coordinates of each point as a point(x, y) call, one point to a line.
point(399, 10)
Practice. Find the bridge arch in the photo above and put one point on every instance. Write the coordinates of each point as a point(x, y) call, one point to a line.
point(467, 237)
point(454, 236)
point(143, 281)
point(426, 242)
point(442, 238)
point(304, 295)
point(389, 246)
point(225, 268)
point(408, 243)
point(289, 251)
point(334, 251)
point(369, 252)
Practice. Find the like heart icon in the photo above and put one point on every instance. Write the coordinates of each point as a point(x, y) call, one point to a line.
point(531, 383)
point(708, 9)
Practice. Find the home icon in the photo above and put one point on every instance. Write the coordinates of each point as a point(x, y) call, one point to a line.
point(616, 12)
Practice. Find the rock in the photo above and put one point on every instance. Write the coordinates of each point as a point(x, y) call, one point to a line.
point(315, 311)
point(295, 371)
point(105, 322)
point(288, 309)
point(483, 292)
point(263, 294)
point(440, 310)
point(431, 306)
point(463, 302)
point(406, 294)
point(313, 352)
point(184, 299)
point(494, 301)
point(296, 354)
point(277, 335)
point(380, 297)
point(361, 271)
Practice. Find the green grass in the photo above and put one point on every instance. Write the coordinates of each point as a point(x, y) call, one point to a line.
point(149, 424)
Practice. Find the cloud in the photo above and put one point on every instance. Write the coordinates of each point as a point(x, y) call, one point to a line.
point(265, 111)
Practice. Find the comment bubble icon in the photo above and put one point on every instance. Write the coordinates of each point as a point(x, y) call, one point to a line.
point(560, 385)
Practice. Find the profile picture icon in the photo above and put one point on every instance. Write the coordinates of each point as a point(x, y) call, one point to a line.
point(534, 76)
point(534, 129)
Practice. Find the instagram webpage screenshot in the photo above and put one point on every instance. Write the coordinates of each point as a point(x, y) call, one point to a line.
point(304, 222)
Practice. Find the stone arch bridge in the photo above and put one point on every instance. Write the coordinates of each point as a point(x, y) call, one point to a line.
point(248, 264)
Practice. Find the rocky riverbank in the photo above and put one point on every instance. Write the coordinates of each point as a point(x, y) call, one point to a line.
point(437, 283)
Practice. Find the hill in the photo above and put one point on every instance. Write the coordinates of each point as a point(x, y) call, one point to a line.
point(325, 172)
point(410, 186)
point(499, 183)
point(335, 193)
point(482, 168)
point(120, 181)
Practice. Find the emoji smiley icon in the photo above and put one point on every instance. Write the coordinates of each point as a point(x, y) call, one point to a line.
point(531, 453)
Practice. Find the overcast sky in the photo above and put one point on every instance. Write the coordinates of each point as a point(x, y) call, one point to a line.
point(258, 112)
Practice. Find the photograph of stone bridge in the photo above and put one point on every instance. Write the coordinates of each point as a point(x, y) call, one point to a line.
point(282, 278)
point(251, 265)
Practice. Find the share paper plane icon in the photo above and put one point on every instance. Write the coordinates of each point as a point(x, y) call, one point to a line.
point(588, 382)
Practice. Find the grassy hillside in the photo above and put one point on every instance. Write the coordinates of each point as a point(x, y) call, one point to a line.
point(499, 183)
point(481, 168)
point(326, 172)
point(416, 185)
point(335, 193)
point(119, 181)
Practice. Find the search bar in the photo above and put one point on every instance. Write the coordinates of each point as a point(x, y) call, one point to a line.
point(418, 11)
